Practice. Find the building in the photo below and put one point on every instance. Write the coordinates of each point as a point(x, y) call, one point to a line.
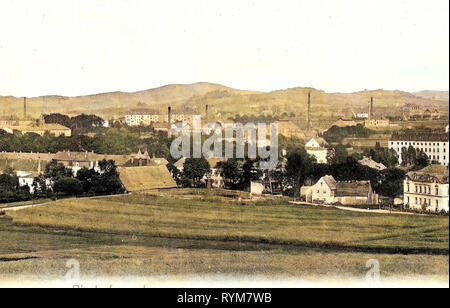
point(427, 189)
point(318, 148)
point(363, 116)
point(344, 123)
point(368, 162)
point(142, 117)
point(328, 191)
point(434, 145)
point(91, 160)
point(377, 123)
point(417, 112)
point(52, 129)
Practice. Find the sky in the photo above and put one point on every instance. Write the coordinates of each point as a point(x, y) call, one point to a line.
point(79, 47)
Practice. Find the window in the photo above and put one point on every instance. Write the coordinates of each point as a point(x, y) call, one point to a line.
point(437, 190)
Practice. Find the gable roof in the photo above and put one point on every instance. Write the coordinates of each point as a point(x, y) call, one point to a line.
point(366, 161)
point(136, 179)
point(330, 181)
point(322, 142)
point(353, 189)
point(431, 174)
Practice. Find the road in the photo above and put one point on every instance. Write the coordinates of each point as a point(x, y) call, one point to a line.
point(352, 209)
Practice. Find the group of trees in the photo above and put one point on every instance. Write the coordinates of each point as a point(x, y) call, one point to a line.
point(414, 159)
point(387, 157)
point(338, 134)
point(88, 182)
point(58, 181)
point(10, 190)
point(111, 141)
point(81, 124)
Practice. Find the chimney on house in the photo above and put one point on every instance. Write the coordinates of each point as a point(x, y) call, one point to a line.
point(169, 117)
point(309, 112)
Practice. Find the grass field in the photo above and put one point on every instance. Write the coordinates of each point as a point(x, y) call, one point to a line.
point(183, 234)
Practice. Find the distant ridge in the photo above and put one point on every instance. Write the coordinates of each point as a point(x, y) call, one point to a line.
point(226, 102)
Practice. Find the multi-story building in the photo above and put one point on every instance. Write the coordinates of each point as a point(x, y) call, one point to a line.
point(427, 189)
point(142, 117)
point(434, 145)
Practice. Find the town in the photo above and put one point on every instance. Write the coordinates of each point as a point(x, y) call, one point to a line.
point(367, 161)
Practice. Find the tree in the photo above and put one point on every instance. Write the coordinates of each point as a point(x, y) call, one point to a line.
point(391, 183)
point(108, 183)
point(232, 172)
point(40, 188)
point(68, 187)
point(195, 169)
point(250, 172)
point(298, 168)
point(88, 178)
point(55, 170)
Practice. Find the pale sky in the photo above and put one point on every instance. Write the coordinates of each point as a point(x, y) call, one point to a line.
point(78, 47)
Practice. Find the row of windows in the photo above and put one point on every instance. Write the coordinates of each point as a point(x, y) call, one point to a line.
point(424, 201)
point(418, 143)
point(420, 189)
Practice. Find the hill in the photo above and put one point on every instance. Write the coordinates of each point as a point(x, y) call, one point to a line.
point(436, 95)
point(224, 102)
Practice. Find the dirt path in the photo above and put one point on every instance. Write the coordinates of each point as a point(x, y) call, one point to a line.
point(352, 209)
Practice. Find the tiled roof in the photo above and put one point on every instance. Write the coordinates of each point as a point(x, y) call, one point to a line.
point(431, 174)
point(353, 189)
point(436, 137)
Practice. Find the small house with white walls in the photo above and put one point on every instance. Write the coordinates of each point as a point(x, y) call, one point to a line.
point(318, 148)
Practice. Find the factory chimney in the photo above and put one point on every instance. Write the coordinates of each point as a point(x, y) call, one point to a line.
point(371, 108)
point(169, 117)
point(207, 109)
point(309, 112)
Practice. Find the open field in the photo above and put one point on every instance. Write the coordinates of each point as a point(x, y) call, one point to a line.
point(196, 234)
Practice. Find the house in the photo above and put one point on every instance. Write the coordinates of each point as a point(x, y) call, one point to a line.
point(377, 123)
point(52, 129)
point(417, 112)
point(318, 148)
point(26, 179)
point(434, 145)
point(427, 189)
point(90, 160)
point(368, 162)
point(148, 178)
point(328, 191)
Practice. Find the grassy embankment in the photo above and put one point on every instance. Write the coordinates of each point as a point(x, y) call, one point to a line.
point(147, 235)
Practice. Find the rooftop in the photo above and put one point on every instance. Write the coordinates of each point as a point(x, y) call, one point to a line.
point(436, 137)
point(431, 174)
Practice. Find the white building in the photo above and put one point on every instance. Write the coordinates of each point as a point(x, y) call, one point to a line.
point(327, 190)
point(142, 117)
point(317, 147)
point(434, 145)
point(427, 189)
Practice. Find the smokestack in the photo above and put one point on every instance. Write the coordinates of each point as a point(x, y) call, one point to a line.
point(309, 111)
point(169, 118)
point(24, 107)
point(207, 109)
point(371, 108)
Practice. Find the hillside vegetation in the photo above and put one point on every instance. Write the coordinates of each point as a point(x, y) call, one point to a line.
point(224, 102)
